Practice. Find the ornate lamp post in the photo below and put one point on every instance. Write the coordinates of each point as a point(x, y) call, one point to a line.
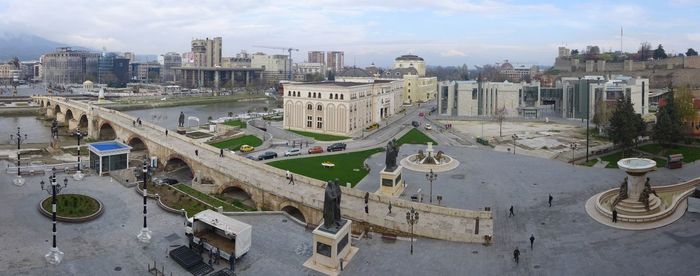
point(412, 219)
point(515, 137)
point(145, 234)
point(573, 147)
point(431, 177)
point(78, 174)
point(54, 256)
point(19, 181)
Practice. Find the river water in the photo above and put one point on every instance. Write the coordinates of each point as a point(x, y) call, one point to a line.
point(39, 131)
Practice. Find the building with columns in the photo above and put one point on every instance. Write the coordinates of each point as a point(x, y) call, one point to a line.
point(340, 108)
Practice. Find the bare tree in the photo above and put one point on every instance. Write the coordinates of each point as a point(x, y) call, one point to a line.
point(645, 51)
point(500, 115)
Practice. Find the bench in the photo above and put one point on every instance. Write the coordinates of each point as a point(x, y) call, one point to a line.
point(675, 161)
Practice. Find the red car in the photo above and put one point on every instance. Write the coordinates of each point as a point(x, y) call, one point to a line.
point(316, 149)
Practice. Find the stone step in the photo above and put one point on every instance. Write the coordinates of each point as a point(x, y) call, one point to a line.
point(626, 207)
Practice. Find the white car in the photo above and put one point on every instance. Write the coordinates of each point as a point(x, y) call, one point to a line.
point(292, 152)
point(428, 127)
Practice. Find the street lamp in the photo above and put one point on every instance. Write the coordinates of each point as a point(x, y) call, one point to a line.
point(78, 174)
point(431, 177)
point(145, 235)
point(54, 256)
point(19, 181)
point(515, 137)
point(573, 147)
point(412, 219)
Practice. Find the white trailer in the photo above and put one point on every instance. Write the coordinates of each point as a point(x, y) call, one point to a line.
point(216, 230)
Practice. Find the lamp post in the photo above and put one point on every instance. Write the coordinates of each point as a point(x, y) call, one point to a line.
point(573, 147)
point(78, 174)
point(19, 181)
point(412, 219)
point(515, 137)
point(431, 177)
point(54, 256)
point(145, 235)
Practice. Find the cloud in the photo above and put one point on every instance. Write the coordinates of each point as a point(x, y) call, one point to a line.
point(453, 53)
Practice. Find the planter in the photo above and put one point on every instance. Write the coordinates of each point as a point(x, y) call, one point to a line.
point(87, 200)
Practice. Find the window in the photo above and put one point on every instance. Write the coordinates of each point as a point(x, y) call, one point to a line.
point(341, 96)
point(289, 93)
point(309, 107)
point(319, 122)
point(474, 94)
point(309, 96)
point(336, 96)
point(309, 121)
point(319, 107)
point(330, 96)
point(314, 94)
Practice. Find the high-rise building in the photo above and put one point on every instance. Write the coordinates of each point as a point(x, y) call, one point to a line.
point(130, 56)
point(335, 60)
point(207, 52)
point(316, 57)
point(275, 67)
point(168, 61)
point(70, 66)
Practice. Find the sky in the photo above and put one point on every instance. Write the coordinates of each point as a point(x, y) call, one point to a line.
point(443, 32)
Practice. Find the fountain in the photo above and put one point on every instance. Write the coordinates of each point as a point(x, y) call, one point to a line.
point(429, 160)
point(635, 205)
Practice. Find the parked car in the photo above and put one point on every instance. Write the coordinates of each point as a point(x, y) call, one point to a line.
point(316, 149)
point(415, 124)
point(169, 181)
point(247, 148)
point(267, 155)
point(336, 147)
point(428, 127)
point(250, 157)
point(292, 152)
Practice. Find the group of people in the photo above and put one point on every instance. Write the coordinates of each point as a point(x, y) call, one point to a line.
point(511, 213)
point(137, 121)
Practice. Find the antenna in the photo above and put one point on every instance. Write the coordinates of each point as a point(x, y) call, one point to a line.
point(621, 33)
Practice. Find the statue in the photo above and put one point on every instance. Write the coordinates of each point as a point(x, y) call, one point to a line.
point(420, 155)
point(644, 196)
point(54, 129)
point(439, 156)
point(331, 205)
point(181, 120)
point(392, 151)
point(622, 195)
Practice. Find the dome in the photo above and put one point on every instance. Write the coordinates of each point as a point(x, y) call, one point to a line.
point(506, 66)
point(87, 82)
point(409, 57)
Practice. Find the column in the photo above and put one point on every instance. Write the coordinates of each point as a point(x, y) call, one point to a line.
point(247, 78)
point(216, 80)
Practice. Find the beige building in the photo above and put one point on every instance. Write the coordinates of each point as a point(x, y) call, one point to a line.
point(340, 108)
point(517, 72)
point(335, 60)
point(303, 70)
point(207, 52)
point(317, 57)
point(411, 61)
point(275, 67)
point(8, 72)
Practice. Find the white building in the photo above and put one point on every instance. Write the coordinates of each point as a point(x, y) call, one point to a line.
point(473, 98)
point(340, 108)
point(301, 70)
point(276, 67)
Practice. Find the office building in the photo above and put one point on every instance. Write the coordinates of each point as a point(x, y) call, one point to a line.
point(207, 52)
point(275, 67)
point(335, 61)
point(169, 61)
point(316, 57)
point(70, 66)
point(302, 71)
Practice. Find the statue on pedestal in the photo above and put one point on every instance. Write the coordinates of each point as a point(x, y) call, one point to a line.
point(331, 206)
point(181, 120)
point(622, 195)
point(392, 151)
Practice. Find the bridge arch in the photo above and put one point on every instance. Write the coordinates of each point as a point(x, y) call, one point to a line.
point(178, 167)
point(83, 122)
point(69, 115)
point(293, 210)
point(106, 132)
point(237, 193)
point(139, 150)
point(56, 109)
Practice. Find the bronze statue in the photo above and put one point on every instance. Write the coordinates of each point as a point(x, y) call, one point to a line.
point(54, 129)
point(622, 195)
point(439, 156)
point(421, 155)
point(644, 196)
point(392, 151)
point(331, 205)
point(181, 120)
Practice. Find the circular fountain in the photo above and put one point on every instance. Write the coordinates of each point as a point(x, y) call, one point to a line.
point(429, 161)
point(635, 204)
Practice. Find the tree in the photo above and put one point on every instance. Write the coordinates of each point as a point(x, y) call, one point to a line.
point(500, 115)
point(625, 125)
point(660, 53)
point(574, 52)
point(602, 114)
point(683, 99)
point(644, 52)
point(691, 52)
point(668, 128)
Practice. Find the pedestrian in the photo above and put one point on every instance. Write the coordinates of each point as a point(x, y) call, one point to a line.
point(550, 200)
point(196, 152)
point(390, 208)
point(366, 197)
point(166, 132)
point(511, 214)
point(366, 208)
point(217, 254)
point(133, 123)
point(532, 241)
point(516, 255)
point(221, 152)
point(291, 179)
point(614, 218)
point(232, 262)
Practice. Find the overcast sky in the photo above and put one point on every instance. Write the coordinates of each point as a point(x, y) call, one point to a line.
point(444, 32)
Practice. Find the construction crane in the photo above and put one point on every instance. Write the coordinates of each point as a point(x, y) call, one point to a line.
point(289, 51)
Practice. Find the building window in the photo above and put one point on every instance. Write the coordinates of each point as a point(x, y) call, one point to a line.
point(319, 122)
point(336, 96)
point(289, 93)
point(309, 121)
point(330, 96)
point(319, 107)
point(314, 94)
point(309, 107)
point(309, 96)
point(474, 94)
point(341, 96)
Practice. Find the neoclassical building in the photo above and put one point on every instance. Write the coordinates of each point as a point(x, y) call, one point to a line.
point(340, 108)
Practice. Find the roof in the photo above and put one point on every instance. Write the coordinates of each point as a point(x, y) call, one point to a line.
point(409, 57)
point(398, 73)
point(334, 83)
point(353, 72)
point(107, 147)
point(220, 221)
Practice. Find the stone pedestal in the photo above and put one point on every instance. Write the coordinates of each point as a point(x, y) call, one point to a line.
point(329, 248)
point(391, 183)
point(181, 130)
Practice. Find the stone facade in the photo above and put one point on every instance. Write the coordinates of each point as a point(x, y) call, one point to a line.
point(70, 66)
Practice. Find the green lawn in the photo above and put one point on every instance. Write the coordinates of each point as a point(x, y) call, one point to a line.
point(236, 122)
point(614, 157)
point(209, 199)
point(415, 136)
point(72, 205)
point(320, 137)
point(690, 154)
point(236, 143)
point(349, 167)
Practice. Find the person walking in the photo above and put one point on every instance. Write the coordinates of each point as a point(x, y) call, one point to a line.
point(614, 215)
point(133, 123)
point(232, 262)
point(366, 208)
point(532, 241)
point(166, 132)
point(196, 152)
point(511, 214)
point(516, 255)
point(221, 152)
point(291, 179)
point(550, 200)
point(389, 208)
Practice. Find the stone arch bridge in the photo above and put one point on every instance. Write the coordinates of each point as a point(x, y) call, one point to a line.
point(266, 185)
